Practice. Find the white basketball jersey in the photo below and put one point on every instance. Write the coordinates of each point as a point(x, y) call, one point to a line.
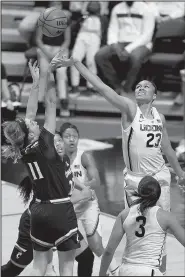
point(141, 143)
point(145, 238)
point(80, 173)
point(77, 168)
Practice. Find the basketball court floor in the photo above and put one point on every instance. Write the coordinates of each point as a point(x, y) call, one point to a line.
point(102, 136)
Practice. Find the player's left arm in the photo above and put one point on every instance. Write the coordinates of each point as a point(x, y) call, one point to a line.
point(114, 240)
point(67, 38)
point(88, 163)
point(50, 102)
point(32, 105)
point(169, 152)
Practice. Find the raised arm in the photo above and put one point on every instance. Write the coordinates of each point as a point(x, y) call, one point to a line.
point(67, 39)
point(124, 104)
point(50, 103)
point(32, 104)
point(92, 171)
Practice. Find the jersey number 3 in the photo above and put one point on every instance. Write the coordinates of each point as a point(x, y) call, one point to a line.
point(35, 171)
point(142, 220)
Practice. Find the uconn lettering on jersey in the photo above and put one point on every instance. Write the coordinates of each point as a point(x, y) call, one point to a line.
point(153, 127)
point(77, 173)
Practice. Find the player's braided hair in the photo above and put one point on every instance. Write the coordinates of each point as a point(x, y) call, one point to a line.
point(149, 191)
point(25, 189)
point(16, 135)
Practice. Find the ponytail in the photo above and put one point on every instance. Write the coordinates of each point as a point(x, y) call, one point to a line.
point(25, 188)
point(148, 193)
point(15, 138)
point(145, 203)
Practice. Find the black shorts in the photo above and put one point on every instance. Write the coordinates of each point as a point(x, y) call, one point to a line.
point(22, 253)
point(54, 225)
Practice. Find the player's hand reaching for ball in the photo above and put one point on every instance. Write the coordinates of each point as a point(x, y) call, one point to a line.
point(61, 60)
point(34, 70)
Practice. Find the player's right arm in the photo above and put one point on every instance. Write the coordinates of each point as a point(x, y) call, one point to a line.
point(174, 226)
point(124, 104)
point(50, 103)
point(114, 240)
point(32, 104)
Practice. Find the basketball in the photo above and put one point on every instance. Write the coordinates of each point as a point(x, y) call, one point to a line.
point(52, 22)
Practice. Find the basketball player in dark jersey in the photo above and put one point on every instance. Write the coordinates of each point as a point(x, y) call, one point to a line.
point(53, 220)
point(22, 254)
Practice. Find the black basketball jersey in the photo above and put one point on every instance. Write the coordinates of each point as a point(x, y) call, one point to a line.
point(68, 173)
point(45, 168)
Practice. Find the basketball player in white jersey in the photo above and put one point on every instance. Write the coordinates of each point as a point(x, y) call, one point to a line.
point(145, 226)
point(85, 173)
point(144, 135)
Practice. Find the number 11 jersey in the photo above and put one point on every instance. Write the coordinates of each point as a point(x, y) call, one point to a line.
point(48, 173)
point(141, 143)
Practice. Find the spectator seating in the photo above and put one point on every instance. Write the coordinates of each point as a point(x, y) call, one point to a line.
point(13, 56)
point(11, 15)
point(168, 56)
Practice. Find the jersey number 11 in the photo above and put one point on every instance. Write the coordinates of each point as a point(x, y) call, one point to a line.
point(35, 171)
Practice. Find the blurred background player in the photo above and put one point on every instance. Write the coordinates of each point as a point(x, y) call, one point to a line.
point(85, 173)
point(145, 225)
point(129, 38)
point(90, 31)
point(84, 255)
point(46, 49)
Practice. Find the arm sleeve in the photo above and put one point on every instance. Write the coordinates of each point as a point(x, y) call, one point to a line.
point(46, 144)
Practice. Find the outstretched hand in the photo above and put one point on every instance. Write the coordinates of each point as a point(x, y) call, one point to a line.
point(61, 60)
point(34, 70)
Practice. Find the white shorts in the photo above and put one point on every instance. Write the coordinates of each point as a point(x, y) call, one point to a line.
point(90, 219)
point(138, 270)
point(131, 181)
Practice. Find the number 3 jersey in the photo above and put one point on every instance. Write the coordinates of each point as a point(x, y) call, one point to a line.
point(50, 176)
point(145, 238)
point(141, 143)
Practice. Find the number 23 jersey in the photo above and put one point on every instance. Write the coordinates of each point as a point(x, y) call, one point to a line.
point(141, 143)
